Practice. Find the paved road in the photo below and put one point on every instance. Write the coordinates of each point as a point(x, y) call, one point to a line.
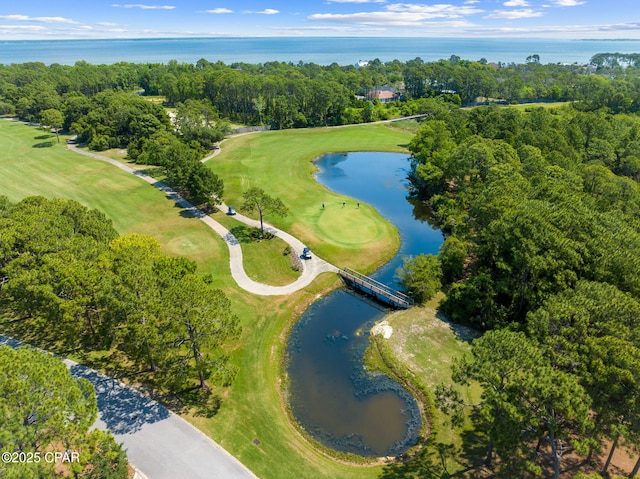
point(310, 268)
point(159, 443)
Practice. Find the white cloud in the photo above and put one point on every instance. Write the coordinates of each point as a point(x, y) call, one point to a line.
point(266, 11)
point(356, 1)
point(32, 28)
point(219, 10)
point(516, 3)
point(559, 31)
point(381, 19)
point(433, 11)
point(568, 3)
point(25, 18)
point(107, 24)
point(515, 14)
point(404, 14)
point(144, 7)
point(342, 29)
point(17, 18)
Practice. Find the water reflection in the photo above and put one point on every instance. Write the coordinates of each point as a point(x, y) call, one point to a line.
point(380, 179)
point(332, 396)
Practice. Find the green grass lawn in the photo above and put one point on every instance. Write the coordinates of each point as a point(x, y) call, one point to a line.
point(280, 162)
point(132, 204)
point(263, 260)
point(254, 407)
point(426, 344)
point(526, 106)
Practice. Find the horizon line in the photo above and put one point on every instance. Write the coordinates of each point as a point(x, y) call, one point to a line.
point(217, 37)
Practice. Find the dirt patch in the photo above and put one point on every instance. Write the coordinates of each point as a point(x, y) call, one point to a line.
point(383, 329)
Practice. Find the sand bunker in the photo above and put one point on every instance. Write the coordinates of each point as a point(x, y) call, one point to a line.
point(383, 328)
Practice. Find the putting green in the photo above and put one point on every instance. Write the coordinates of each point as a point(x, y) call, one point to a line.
point(348, 226)
point(280, 162)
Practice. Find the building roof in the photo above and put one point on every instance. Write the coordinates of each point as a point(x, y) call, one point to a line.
point(381, 95)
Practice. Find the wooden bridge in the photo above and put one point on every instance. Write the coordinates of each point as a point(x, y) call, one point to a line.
point(380, 291)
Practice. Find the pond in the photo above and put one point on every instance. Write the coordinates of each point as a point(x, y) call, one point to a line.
point(332, 396)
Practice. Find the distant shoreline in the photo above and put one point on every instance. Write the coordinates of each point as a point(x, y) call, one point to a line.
point(319, 50)
point(274, 37)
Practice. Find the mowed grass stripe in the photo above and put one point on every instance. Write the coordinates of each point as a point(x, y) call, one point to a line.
point(280, 162)
point(132, 205)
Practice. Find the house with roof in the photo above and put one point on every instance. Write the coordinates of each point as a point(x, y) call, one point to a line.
point(384, 94)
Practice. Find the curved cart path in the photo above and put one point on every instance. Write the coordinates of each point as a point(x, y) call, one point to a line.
point(159, 444)
point(310, 268)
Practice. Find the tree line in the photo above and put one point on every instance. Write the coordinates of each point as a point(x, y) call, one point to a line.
point(112, 119)
point(541, 213)
point(97, 102)
point(286, 95)
point(65, 270)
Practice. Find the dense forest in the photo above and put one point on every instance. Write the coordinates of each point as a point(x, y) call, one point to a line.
point(541, 211)
point(97, 103)
point(65, 270)
point(285, 95)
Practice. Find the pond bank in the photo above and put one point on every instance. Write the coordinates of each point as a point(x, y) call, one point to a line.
point(332, 396)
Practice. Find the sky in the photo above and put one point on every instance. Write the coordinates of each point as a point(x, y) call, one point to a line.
point(81, 19)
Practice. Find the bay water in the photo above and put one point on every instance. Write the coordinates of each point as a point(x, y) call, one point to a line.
point(319, 50)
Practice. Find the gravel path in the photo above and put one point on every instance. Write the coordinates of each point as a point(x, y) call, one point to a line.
point(310, 268)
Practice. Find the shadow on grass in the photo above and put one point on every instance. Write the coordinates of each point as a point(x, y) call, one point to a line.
point(474, 443)
point(463, 333)
point(44, 144)
point(202, 402)
point(189, 213)
point(156, 172)
point(248, 234)
point(200, 211)
point(432, 462)
point(37, 332)
point(123, 409)
point(44, 137)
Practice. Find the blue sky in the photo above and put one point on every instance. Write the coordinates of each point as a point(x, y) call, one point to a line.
point(51, 19)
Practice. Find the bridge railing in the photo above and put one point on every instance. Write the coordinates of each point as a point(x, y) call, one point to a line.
point(378, 289)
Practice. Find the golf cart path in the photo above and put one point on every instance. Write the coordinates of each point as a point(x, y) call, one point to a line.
point(310, 268)
point(159, 444)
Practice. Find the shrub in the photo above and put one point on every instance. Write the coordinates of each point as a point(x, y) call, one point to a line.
point(421, 276)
